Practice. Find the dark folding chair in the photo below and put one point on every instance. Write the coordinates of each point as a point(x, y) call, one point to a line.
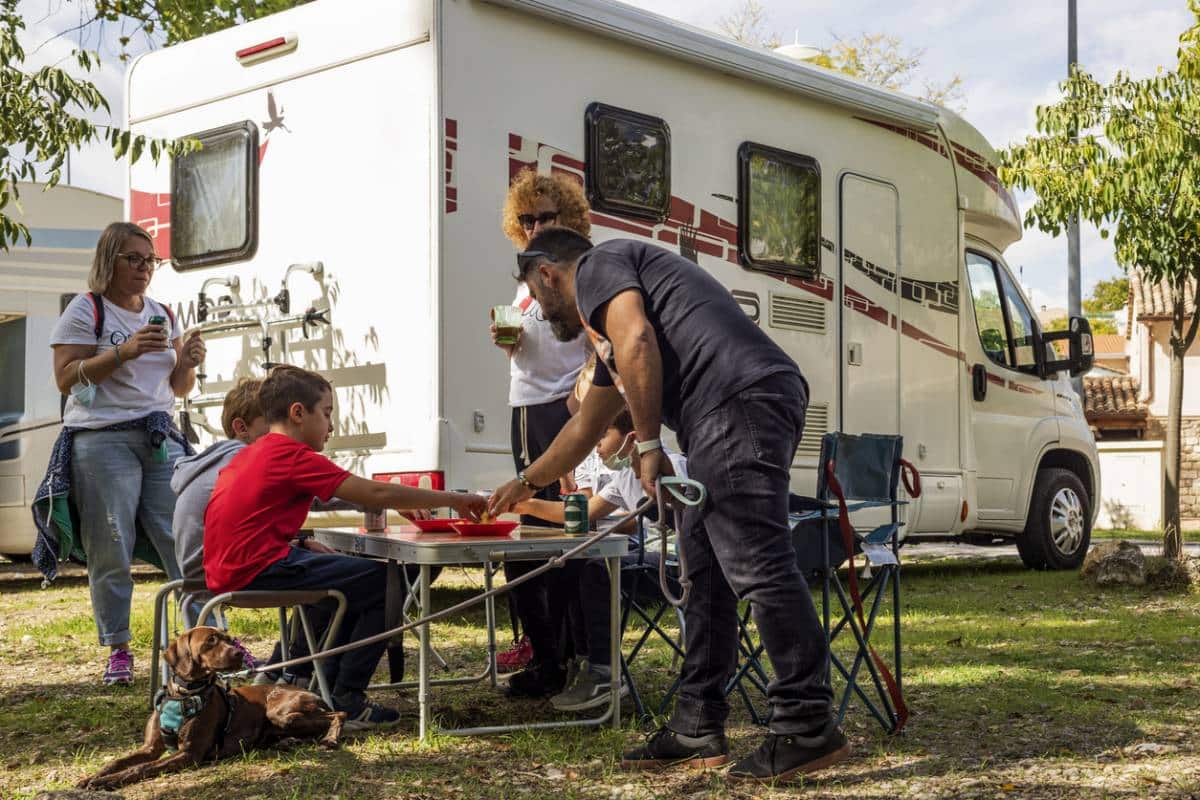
point(857, 474)
point(641, 599)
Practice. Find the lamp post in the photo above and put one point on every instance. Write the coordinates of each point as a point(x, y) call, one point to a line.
point(1074, 300)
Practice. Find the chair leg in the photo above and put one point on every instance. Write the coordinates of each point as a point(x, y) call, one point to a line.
point(315, 646)
point(160, 640)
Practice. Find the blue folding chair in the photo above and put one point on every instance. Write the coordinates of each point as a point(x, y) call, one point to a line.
point(856, 474)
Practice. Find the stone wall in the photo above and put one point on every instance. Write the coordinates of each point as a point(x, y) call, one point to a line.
point(1189, 489)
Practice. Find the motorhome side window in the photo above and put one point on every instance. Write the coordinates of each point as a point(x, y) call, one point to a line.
point(214, 198)
point(628, 166)
point(12, 389)
point(1006, 327)
point(779, 211)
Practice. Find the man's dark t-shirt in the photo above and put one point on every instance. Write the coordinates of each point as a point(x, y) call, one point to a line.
point(710, 349)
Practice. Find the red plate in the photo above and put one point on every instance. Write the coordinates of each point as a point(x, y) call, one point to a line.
point(485, 528)
point(436, 525)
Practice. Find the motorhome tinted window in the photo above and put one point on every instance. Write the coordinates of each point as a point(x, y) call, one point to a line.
point(1022, 334)
point(989, 316)
point(214, 198)
point(628, 165)
point(779, 227)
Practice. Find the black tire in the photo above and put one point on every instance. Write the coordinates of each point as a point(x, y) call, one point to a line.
point(1059, 526)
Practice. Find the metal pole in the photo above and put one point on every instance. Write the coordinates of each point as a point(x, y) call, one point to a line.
point(1074, 299)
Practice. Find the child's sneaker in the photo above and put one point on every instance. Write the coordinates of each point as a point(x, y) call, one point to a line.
point(362, 714)
point(516, 657)
point(119, 671)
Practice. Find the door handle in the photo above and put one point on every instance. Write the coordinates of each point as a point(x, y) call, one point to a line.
point(979, 382)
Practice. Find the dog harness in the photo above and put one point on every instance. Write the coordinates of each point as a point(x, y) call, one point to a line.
point(175, 709)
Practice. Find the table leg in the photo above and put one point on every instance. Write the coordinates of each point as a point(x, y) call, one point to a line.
point(490, 612)
point(393, 610)
point(423, 657)
point(614, 622)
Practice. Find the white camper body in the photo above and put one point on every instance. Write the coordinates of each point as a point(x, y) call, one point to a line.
point(377, 139)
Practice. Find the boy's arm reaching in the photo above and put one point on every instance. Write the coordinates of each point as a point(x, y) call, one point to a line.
point(552, 511)
point(377, 494)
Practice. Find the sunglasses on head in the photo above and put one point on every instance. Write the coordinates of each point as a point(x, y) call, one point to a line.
point(529, 259)
point(529, 221)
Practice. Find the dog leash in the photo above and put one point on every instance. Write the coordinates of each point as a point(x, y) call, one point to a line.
point(684, 492)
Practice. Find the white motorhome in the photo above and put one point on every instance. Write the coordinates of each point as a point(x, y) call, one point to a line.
point(343, 215)
point(36, 282)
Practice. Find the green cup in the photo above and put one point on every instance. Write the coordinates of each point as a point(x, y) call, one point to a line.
point(508, 324)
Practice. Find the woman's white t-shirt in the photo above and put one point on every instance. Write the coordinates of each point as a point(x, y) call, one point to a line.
point(542, 368)
point(136, 388)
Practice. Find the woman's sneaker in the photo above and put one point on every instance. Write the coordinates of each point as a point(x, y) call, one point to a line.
point(119, 671)
point(362, 714)
point(516, 657)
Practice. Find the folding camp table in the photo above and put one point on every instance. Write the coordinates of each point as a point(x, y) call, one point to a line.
point(405, 545)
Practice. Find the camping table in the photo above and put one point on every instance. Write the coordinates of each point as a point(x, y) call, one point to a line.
point(405, 545)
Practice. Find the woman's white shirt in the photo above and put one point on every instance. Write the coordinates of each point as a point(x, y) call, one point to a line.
point(136, 388)
point(542, 368)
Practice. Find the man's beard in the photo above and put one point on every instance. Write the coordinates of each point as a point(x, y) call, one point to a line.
point(562, 316)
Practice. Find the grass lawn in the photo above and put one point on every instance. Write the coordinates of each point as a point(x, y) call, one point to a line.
point(1021, 684)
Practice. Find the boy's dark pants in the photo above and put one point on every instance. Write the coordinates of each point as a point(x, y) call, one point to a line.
point(363, 581)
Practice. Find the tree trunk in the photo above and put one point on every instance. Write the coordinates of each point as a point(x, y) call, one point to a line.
point(1172, 533)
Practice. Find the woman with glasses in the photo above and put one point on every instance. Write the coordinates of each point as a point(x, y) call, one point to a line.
point(121, 359)
point(542, 374)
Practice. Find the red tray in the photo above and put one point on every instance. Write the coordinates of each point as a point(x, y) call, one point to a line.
point(485, 528)
point(437, 525)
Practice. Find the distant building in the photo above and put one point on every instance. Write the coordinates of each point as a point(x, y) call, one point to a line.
point(35, 282)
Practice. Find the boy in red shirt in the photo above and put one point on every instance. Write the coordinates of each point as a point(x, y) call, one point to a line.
point(263, 497)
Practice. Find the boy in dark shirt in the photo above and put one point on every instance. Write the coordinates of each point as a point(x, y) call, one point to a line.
point(260, 502)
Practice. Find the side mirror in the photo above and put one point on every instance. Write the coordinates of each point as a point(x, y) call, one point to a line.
point(1077, 341)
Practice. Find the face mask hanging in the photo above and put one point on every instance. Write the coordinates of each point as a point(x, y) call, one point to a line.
point(617, 462)
point(84, 391)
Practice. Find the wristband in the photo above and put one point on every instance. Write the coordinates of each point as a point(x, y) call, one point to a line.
point(647, 446)
point(117, 353)
point(528, 484)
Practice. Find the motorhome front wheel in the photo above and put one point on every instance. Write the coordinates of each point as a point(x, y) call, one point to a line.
point(1058, 529)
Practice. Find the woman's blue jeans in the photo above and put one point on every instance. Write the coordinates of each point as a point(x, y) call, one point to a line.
point(116, 483)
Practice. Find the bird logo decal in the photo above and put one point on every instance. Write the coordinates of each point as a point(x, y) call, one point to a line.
point(275, 120)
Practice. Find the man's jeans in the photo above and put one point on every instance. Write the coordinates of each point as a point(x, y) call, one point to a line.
point(363, 581)
point(116, 484)
point(738, 546)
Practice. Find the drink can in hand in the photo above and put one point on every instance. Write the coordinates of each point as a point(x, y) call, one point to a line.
point(375, 520)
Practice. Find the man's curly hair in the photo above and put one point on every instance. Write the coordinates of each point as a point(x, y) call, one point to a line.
point(528, 187)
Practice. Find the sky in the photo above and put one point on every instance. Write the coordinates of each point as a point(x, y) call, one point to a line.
point(1011, 57)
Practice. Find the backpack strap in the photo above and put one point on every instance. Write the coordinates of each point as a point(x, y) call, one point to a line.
point(97, 313)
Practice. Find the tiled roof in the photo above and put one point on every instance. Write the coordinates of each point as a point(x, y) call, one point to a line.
point(1154, 299)
point(1112, 397)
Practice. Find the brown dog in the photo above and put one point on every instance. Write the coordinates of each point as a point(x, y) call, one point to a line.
point(216, 723)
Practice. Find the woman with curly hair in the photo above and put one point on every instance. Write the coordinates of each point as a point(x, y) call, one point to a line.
point(542, 375)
